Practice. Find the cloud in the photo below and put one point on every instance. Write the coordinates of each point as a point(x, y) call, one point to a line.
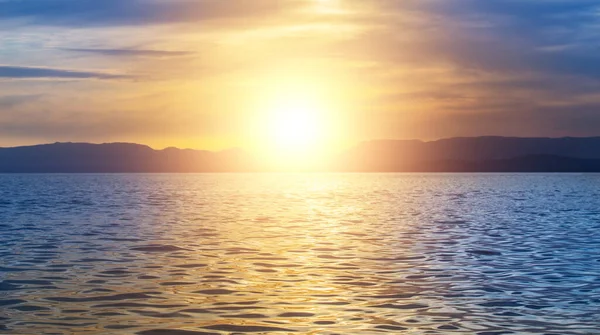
point(131, 52)
point(510, 35)
point(94, 13)
point(24, 72)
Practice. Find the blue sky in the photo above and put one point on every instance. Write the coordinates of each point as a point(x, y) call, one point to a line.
point(195, 73)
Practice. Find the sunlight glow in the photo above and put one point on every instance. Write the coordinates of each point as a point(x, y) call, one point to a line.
point(296, 127)
point(299, 120)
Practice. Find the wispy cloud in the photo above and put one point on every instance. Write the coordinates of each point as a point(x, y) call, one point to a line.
point(131, 52)
point(94, 13)
point(24, 72)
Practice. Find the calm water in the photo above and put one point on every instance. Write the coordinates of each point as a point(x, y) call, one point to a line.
point(300, 254)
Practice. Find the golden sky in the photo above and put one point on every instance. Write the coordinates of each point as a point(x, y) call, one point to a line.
point(216, 74)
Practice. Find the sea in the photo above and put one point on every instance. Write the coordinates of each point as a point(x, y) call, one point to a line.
point(198, 254)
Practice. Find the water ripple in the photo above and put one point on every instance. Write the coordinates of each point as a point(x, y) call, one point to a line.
point(299, 254)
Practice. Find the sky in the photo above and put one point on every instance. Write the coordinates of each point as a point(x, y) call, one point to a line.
point(215, 74)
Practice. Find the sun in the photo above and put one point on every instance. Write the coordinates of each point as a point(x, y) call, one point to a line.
point(296, 128)
point(297, 122)
point(294, 131)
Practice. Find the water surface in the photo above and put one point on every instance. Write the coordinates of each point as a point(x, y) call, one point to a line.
point(300, 254)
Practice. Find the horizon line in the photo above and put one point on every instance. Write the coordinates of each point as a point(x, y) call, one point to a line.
point(356, 143)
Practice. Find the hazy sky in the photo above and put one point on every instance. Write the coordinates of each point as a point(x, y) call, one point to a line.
point(205, 73)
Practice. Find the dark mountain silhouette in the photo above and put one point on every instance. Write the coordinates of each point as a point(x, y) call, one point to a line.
point(118, 157)
point(477, 154)
point(473, 154)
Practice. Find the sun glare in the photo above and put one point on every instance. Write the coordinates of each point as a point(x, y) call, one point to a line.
point(296, 127)
point(295, 131)
point(298, 120)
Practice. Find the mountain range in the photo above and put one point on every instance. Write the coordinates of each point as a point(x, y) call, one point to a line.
point(468, 154)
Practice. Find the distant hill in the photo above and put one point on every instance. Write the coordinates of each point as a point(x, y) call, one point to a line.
point(117, 157)
point(476, 154)
point(473, 154)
